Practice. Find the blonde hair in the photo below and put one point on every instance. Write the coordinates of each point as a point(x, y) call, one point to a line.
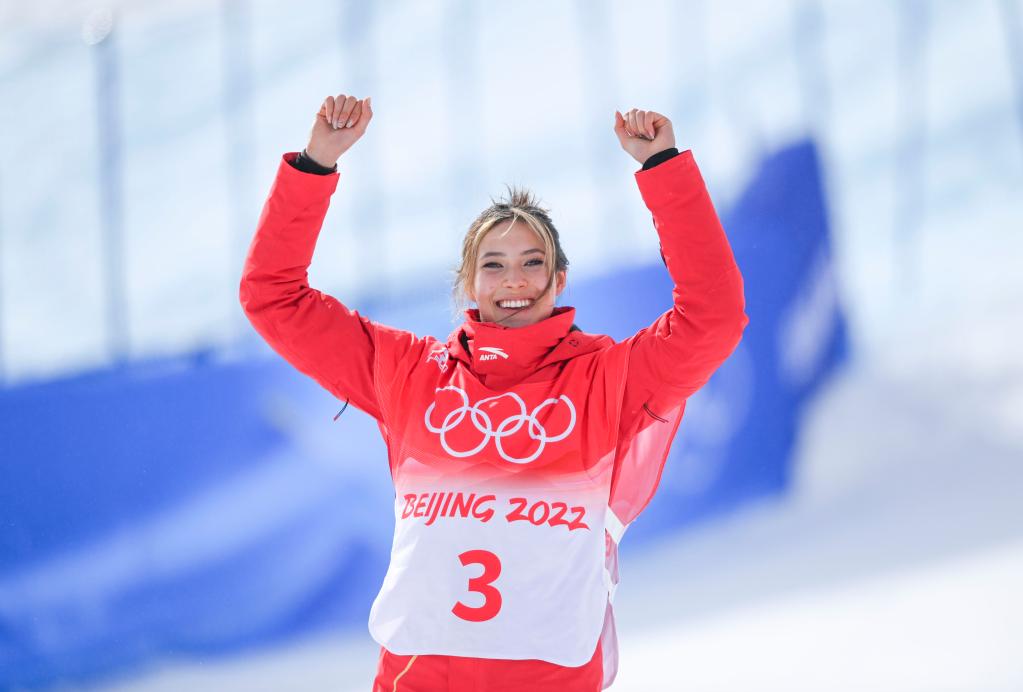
point(519, 204)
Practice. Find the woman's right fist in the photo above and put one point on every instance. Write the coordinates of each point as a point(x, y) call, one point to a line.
point(342, 120)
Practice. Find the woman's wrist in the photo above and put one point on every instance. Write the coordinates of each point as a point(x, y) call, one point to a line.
point(309, 164)
point(660, 157)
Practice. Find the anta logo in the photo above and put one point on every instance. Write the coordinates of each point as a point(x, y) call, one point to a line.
point(473, 426)
point(492, 353)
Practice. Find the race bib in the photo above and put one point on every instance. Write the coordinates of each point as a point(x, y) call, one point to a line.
point(494, 575)
point(499, 543)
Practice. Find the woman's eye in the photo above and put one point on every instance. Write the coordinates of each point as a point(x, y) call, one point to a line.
point(491, 265)
point(534, 262)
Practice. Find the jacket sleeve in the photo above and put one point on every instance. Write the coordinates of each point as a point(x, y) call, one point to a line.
point(342, 350)
point(677, 354)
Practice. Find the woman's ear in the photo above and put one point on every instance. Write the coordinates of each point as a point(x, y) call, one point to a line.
point(560, 279)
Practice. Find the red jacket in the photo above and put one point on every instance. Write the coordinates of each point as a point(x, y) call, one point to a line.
point(628, 397)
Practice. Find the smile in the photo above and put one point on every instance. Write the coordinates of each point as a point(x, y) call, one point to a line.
point(514, 304)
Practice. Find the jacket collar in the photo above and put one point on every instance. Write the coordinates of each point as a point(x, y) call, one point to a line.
point(501, 356)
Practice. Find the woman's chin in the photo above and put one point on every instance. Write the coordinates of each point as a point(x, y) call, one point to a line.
point(517, 322)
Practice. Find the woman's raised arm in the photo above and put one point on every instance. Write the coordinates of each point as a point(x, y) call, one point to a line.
point(677, 354)
point(313, 331)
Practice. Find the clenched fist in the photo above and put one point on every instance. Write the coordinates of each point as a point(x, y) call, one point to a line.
point(643, 133)
point(342, 120)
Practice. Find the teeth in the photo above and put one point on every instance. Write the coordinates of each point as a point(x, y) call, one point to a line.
point(514, 303)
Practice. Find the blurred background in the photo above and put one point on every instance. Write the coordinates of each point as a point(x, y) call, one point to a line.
point(843, 507)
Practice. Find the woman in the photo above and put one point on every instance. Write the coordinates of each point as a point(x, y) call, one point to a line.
point(521, 447)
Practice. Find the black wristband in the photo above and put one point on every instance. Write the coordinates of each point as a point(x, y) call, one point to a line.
point(305, 163)
point(659, 158)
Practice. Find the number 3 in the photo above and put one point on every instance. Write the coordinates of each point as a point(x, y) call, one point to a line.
point(481, 584)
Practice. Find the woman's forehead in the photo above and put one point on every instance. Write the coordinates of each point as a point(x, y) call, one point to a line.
point(512, 235)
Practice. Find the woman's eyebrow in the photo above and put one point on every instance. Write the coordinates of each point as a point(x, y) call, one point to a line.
point(494, 253)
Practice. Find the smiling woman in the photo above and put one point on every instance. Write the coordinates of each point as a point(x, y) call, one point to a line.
point(521, 447)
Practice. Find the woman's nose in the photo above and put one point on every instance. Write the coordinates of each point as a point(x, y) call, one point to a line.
point(514, 277)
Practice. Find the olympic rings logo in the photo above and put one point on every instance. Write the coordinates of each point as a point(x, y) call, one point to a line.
point(509, 426)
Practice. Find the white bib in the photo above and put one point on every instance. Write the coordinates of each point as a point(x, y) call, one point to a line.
point(511, 574)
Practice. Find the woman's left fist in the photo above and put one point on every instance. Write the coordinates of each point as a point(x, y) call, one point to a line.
point(643, 133)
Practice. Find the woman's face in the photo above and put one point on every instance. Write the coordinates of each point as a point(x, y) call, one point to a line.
point(511, 275)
